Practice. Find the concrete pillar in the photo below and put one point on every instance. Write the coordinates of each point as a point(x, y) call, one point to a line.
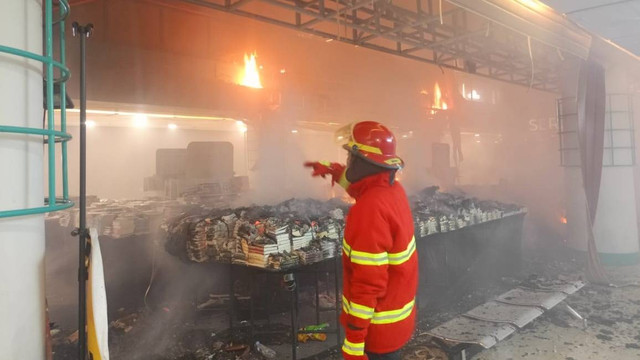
point(616, 224)
point(22, 318)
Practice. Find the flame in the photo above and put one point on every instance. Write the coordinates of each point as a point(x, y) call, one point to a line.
point(251, 76)
point(563, 219)
point(438, 103)
point(437, 96)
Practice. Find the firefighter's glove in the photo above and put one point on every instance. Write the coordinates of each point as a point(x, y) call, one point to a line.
point(353, 346)
point(324, 168)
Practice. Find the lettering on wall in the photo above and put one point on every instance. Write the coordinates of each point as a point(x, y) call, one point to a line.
point(544, 124)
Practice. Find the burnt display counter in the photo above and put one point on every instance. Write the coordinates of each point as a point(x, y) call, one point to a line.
point(292, 277)
point(128, 262)
point(454, 263)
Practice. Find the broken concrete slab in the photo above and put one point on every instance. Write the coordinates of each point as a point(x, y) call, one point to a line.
point(505, 313)
point(528, 297)
point(567, 288)
point(466, 330)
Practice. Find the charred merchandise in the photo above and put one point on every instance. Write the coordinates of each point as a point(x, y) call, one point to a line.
point(307, 231)
point(438, 212)
point(279, 237)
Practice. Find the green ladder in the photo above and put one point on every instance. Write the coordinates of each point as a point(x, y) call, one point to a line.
point(50, 135)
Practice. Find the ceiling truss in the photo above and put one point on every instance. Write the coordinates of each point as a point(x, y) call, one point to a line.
point(456, 39)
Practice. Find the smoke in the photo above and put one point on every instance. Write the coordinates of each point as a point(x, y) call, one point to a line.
point(282, 146)
point(507, 137)
point(514, 158)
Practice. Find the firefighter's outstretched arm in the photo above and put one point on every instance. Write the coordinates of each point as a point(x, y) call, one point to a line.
point(365, 251)
point(324, 168)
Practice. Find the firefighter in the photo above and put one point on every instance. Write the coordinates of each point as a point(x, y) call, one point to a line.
point(379, 259)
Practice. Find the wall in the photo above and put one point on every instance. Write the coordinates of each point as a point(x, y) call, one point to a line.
point(119, 158)
point(22, 244)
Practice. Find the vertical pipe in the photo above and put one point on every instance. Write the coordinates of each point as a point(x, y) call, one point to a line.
point(317, 278)
point(633, 131)
point(294, 318)
point(560, 131)
point(51, 144)
point(611, 146)
point(254, 275)
point(83, 32)
point(22, 241)
point(336, 272)
point(63, 107)
point(82, 272)
point(232, 299)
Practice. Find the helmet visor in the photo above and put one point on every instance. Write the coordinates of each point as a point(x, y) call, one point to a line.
point(344, 135)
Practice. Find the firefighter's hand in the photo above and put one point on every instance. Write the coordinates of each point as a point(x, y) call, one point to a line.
point(353, 346)
point(320, 168)
point(353, 351)
point(351, 357)
point(324, 168)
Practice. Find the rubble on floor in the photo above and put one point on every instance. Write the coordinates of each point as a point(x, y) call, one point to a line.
point(125, 323)
point(612, 315)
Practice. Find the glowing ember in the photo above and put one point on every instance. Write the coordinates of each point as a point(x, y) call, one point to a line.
point(251, 76)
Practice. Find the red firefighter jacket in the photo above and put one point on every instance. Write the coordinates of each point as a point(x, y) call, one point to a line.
point(380, 269)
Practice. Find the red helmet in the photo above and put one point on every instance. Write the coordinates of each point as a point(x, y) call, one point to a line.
point(373, 142)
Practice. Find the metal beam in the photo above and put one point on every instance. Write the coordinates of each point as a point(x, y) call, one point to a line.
point(393, 38)
point(339, 12)
point(427, 20)
point(435, 45)
point(239, 3)
point(501, 60)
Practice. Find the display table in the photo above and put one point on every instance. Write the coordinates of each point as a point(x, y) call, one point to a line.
point(451, 265)
point(256, 274)
point(456, 262)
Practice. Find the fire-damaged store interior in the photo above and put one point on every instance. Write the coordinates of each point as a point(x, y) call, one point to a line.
point(319, 179)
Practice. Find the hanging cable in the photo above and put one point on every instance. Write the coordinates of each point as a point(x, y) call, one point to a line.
point(338, 19)
point(531, 58)
point(441, 19)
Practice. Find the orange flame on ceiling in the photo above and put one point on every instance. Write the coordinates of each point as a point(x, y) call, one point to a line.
point(563, 219)
point(251, 76)
point(438, 103)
